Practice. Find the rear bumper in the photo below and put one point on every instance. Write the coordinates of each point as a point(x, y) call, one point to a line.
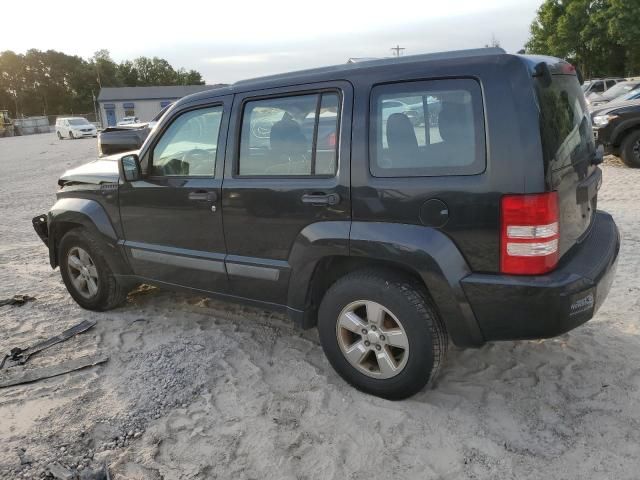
point(511, 307)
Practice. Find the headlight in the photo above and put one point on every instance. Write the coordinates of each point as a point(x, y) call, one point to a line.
point(603, 120)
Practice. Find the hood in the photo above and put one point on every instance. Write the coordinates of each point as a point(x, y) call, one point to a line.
point(630, 105)
point(102, 170)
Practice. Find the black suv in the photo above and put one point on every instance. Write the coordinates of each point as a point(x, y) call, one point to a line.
point(471, 218)
point(616, 126)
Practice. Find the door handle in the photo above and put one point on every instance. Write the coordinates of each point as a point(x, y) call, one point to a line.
point(203, 196)
point(321, 198)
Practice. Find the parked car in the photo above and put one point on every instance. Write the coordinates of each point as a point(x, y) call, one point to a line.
point(478, 227)
point(617, 127)
point(599, 85)
point(75, 127)
point(125, 138)
point(632, 95)
point(621, 88)
point(128, 121)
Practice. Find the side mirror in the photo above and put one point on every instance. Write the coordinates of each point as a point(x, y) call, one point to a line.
point(129, 167)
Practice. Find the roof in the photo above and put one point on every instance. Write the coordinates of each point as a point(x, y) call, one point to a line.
point(345, 70)
point(377, 63)
point(170, 92)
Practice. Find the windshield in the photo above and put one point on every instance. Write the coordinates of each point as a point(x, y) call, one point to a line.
point(632, 95)
point(619, 89)
point(77, 121)
point(161, 113)
point(585, 85)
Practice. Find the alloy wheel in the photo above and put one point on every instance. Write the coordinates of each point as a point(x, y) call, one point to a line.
point(83, 272)
point(372, 339)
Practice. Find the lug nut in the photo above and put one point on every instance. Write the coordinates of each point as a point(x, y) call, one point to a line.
point(364, 331)
point(382, 337)
point(378, 347)
point(373, 327)
point(367, 343)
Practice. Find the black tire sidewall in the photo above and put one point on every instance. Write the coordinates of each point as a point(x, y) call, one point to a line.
point(627, 149)
point(79, 238)
point(388, 293)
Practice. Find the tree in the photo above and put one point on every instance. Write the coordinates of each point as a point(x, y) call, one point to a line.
point(106, 69)
point(53, 83)
point(599, 36)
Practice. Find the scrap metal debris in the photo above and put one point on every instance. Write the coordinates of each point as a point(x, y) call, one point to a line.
point(18, 300)
point(19, 356)
point(27, 376)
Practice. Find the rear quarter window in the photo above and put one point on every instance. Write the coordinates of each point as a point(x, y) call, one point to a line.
point(566, 131)
point(427, 128)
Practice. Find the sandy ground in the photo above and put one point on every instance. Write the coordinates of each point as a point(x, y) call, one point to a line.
point(196, 389)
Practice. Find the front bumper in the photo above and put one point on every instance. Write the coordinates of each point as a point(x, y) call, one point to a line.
point(41, 226)
point(509, 307)
point(90, 133)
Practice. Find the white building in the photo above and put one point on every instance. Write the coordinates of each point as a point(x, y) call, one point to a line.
point(142, 102)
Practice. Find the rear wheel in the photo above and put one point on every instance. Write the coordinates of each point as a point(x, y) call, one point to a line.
point(630, 149)
point(381, 334)
point(86, 274)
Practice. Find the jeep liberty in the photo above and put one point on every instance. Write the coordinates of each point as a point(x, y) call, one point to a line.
point(394, 204)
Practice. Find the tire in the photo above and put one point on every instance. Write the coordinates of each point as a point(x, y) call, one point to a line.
point(107, 292)
point(407, 310)
point(630, 149)
point(71, 137)
point(59, 135)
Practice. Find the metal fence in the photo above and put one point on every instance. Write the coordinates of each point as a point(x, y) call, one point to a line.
point(47, 123)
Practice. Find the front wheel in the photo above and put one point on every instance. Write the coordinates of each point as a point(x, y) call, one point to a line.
point(630, 149)
point(71, 135)
point(381, 334)
point(86, 273)
point(59, 135)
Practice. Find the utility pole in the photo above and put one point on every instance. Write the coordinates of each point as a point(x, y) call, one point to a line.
point(95, 111)
point(397, 50)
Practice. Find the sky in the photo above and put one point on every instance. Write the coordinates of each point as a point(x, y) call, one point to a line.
point(233, 40)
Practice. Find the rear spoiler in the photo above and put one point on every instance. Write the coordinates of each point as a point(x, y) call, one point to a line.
point(543, 71)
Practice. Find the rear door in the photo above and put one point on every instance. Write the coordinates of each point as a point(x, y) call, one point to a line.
point(287, 167)
point(569, 151)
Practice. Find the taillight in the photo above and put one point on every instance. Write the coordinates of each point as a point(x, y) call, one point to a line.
point(529, 233)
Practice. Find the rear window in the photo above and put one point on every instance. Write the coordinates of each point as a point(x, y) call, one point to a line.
point(427, 128)
point(566, 132)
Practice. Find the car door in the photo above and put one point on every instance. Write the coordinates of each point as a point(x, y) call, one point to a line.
point(171, 218)
point(287, 167)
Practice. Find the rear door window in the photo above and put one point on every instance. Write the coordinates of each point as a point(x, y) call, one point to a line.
point(427, 128)
point(290, 136)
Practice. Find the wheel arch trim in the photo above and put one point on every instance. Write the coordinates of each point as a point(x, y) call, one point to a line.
point(88, 214)
point(424, 251)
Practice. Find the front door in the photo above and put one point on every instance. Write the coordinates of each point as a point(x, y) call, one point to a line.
point(111, 117)
point(286, 169)
point(172, 219)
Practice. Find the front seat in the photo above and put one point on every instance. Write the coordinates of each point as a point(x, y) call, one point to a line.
point(287, 142)
point(402, 141)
